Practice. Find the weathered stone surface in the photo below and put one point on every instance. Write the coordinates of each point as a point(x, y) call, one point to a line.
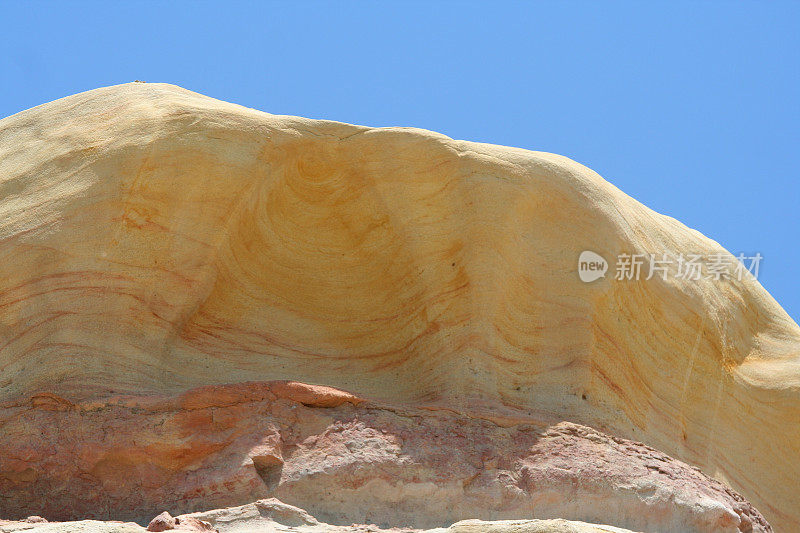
point(154, 240)
point(80, 526)
point(252, 518)
point(162, 522)
point(273, 516)
point(358, 462)
point(531, 526)
point(272, 513)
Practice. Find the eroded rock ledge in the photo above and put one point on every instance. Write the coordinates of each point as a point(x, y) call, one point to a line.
point(342, 458)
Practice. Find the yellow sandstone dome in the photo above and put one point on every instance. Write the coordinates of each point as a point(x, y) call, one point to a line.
point(154, 240)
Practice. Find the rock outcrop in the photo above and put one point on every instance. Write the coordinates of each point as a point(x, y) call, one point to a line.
point(357, 461)
point(273, 516)
point(162, 248)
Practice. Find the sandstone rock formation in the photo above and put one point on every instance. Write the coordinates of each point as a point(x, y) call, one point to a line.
point(345, 461)
point(159, 245)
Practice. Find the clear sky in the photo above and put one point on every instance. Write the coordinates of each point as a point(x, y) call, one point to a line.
point(693, 108)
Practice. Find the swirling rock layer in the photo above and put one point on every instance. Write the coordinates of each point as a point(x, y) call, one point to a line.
point(154, 240)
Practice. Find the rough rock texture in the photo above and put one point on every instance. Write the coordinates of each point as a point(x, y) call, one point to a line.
point(154, 240)
point(273, 516)
point(162, 522)
point(263, 514)
point(346, 461)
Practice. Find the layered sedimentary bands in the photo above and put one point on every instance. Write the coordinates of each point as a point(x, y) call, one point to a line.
point(188, 287)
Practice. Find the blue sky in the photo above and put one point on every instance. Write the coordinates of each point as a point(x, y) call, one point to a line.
point(693, 108)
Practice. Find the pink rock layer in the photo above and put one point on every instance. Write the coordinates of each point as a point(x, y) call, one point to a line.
point(343, 459)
